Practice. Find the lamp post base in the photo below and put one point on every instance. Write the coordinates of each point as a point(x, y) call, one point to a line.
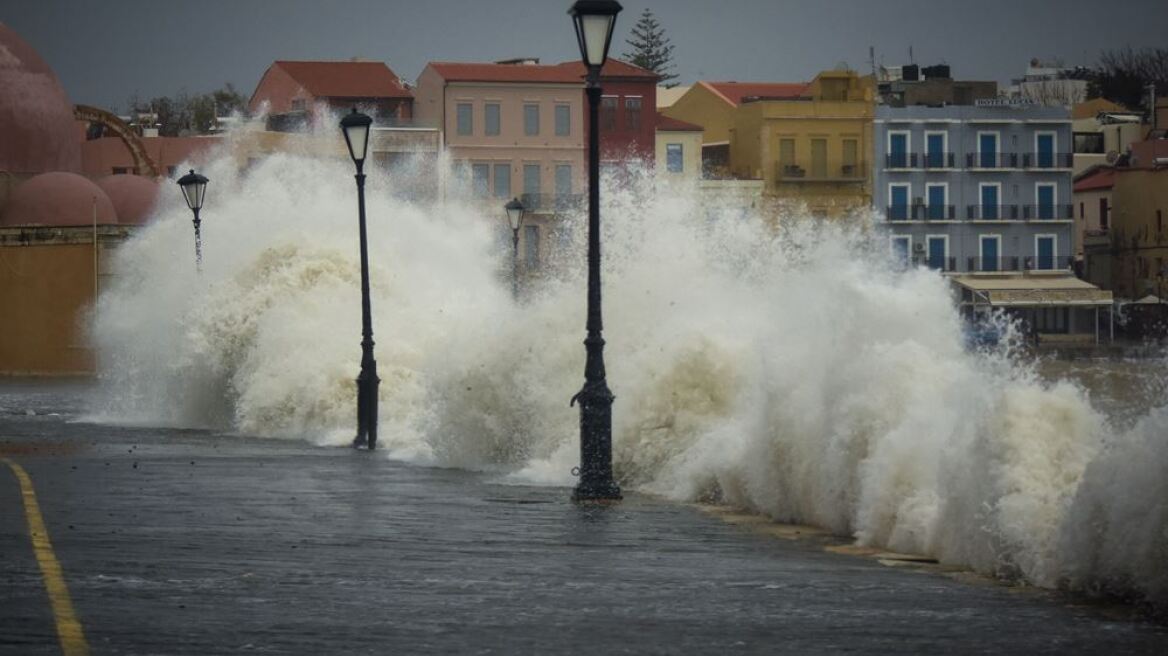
point(598, 492)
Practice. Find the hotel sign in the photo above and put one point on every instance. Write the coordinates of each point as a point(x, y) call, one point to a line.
point(1004, 102)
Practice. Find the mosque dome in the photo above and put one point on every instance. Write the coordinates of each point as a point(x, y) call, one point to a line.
point(133, 197)
point(37, 128)
point(57, 199)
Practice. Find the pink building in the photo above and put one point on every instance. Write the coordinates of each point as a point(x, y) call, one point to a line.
point(295, 92)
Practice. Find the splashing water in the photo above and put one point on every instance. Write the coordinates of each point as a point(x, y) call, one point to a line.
point(789, 370)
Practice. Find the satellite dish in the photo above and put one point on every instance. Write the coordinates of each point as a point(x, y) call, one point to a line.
point(1112, 155)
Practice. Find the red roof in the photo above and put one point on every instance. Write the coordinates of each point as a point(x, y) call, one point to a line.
point(566, 73)
point(614, 68)
point(667, 124)
point(345, 79)
point(1101, 178)
point(480, 72)
point(735, 92)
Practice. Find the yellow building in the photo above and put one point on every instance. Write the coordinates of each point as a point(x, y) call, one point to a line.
point(679, 150)
point(712, 105)
point(1138, 232)
point(814, 149)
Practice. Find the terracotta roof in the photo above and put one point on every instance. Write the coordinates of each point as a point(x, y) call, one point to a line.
point(345, 79)
point(483, 72)
point(1091, 108)
point(734, 92)
point(667, 124)
point(614, 68)
point(1101, 178)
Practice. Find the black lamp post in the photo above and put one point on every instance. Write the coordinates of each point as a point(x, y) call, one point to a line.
point(356, 129)
point(194, 187)
point(594, 20)
point(515, 211)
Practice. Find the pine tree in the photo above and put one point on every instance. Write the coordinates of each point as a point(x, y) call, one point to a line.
point(651, 49)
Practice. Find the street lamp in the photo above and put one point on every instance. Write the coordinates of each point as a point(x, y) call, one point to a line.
point(594, 20)
point(355, 127)
point(515, 211)
point(194, 187)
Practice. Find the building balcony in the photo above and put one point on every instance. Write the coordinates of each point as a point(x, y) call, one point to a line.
point(991, 212)
point(1047, 160)
point(549, 203)
point(853, 173)
point(921, 213)
point(935, 161)
point(1050, 212)
point(901, 161)
point(936, 263)
point(992, 264)
point(991, 161)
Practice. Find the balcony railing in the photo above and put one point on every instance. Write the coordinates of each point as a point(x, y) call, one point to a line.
point(991, 212)
point(1048, 212)
point(1047, 262)
point(1047, 160)
point(938, 263)
point(939, 161)
point(1001, 263)
point(846, 173)
point(921, 213)
point(900, 161)
point(552, 202)
point(989, 161)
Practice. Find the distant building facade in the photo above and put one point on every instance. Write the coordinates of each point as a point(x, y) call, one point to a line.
point(679, 150)
point(1139, 225)
point(981, 188)
point(298, 93)
point(1092, 203)
point(813, 149)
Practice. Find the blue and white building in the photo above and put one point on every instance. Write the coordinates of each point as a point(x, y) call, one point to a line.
point(982, 188)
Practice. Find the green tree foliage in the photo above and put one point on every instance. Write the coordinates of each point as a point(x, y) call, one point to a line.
point(1123, 75)
point(650, 48)
point(184, 114)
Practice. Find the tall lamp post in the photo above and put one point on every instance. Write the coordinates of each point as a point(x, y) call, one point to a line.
point(594, 20)
point(515, 211)
point(356, 129)
point(194, 187)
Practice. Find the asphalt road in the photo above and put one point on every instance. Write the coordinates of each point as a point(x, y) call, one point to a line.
point(188, 542)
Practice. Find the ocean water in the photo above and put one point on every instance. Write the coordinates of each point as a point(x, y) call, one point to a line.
point(783, 366)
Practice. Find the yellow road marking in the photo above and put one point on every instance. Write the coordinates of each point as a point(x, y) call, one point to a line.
point(68, 628)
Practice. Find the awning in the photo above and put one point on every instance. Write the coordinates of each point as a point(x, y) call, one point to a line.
point(1032, 290)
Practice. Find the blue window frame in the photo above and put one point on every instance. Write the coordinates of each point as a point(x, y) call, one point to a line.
point(674, 160)
point(898, 202)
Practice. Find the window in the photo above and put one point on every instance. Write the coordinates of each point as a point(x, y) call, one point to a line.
point(531, 120)
point(1082, 214)
point(503, 180)
point(531, 246)
point(674, 158)
point(898, 149)
point(1159, 221)
point(608, 113)
point(898, 199)
point(819, 158)
point(120, 170)
point(491, 119)
point(531, 186)
point(172, 170)
point(480, 178)
point(465, 119)
point(787, 155)
point(901, 248)
point(632, 114)
point(563, 120)
point(851, 161)
point(297, 104)
point(563, 180)
point(1103, 213)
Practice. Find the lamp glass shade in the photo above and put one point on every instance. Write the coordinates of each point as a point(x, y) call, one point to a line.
point(356, 125)
point(194, 188)
point(515, 212)
point(594, 20)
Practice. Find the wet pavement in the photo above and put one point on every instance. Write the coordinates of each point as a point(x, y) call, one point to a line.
point(189, 542)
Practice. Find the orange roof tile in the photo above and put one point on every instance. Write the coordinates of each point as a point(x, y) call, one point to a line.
point(735, 92)
point(1101, 178)
point(485, 72)
point(667, 124)
point(614, 68)
point(346, 79)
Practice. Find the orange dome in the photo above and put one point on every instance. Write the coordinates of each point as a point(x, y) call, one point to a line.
point(57, 199)
point(133, 196)
point(36, 118)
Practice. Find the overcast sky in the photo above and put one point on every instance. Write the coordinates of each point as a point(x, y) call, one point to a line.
point(105, 52)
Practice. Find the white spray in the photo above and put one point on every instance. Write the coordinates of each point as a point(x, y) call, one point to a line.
point(790, 371)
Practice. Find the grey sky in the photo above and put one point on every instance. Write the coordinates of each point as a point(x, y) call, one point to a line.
point(106, 51)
